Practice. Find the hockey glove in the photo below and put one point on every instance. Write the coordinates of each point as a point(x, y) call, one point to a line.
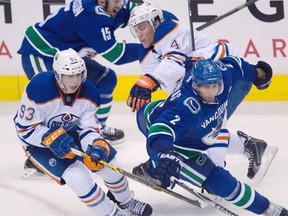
point(140, 93)
point(99, 150)
point(170, 164)
point(190, 61)
point(59, 142)
point(264, 83)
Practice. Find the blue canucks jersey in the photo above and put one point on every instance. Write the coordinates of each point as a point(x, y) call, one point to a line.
point(81, 25)
point(185, 122)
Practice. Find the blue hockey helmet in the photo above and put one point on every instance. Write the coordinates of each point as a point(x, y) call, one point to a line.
point(206, 72)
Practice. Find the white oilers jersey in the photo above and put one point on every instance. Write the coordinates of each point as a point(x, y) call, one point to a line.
point(44, 106)
point(172, 45)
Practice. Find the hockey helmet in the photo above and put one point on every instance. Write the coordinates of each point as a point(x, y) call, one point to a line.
point(206, 72)
point(68, 62)
point(147, 11)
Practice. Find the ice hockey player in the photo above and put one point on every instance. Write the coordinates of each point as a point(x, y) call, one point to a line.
point(179, 130)
point(88, 27)
point(53, 105)
point(166, 44)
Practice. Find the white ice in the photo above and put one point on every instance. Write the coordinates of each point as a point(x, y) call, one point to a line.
point(263, 120)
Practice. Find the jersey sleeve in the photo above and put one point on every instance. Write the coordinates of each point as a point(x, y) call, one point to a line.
point(238, 69)
point(29, 122)
point(97, 28)
point(172, 48)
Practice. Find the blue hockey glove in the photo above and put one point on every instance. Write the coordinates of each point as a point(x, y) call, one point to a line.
point(59, 142)
point(140, 93)
point(264, 83)
point(99, 150)
point(189, 61)
point(170, 164)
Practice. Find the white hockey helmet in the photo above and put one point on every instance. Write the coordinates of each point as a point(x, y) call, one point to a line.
point(68, 62)
point(147, 11)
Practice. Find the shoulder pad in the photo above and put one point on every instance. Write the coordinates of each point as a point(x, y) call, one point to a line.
point(42, 87)
point(164, 29)
point(101, 11)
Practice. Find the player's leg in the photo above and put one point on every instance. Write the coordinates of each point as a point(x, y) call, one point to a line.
point(237, 94)
point(145, 169)
point(77, 177)
point(105, 79)
point(119, 190)
point(252, 148)
point(202, 172)
point(32, 65)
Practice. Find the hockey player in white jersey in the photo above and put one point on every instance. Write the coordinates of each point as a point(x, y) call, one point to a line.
point(166, 46)
point(88, 27)
point(180, 129)
point(57, 112)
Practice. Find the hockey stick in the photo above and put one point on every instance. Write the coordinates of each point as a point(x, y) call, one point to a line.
point(199, 204)
point(191, 25)
point(217, 19)
point(203, 197)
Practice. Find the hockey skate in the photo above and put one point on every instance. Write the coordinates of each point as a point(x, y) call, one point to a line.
point(142, 171)
point(275, 210)
point(120, 212)
point(32, 172)
point(113, 135)
point(259, 154)
point(133, 206)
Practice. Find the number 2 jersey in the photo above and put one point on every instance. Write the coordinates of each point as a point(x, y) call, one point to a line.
point(187, 124)
point(44, 106)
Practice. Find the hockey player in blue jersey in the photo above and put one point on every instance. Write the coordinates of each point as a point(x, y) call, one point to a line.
point(52, 105)
point(191, 121)
point(88, 27)
point(166, 44)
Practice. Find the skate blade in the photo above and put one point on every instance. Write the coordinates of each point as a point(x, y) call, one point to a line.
point(267, 160)
point(116, 142)
point(32, 174)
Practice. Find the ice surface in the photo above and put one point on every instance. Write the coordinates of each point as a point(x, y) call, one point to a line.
point(263, 120)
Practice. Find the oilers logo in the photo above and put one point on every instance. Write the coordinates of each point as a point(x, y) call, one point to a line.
point(65, 120)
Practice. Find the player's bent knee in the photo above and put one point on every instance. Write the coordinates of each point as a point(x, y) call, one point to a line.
point(108, 83)
point(78, 178)
point(220, 182)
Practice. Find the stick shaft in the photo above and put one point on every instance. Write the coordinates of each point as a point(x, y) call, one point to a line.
point(144, 181)
point(217, 19)
point(191, 25)
point(205, 198)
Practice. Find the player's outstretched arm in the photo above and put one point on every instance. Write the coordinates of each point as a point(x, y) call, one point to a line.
point(140, 93)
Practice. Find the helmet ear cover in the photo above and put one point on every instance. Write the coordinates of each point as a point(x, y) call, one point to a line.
point(146, 12)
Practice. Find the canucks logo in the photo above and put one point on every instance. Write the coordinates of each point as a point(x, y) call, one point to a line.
point(210, 138)
point(65, 120)
point(101, 11)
